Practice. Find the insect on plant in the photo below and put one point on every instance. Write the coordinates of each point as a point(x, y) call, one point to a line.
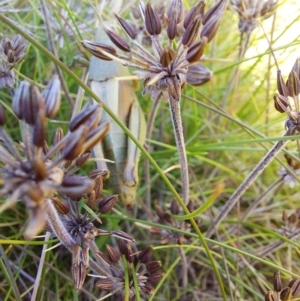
point(118, 93)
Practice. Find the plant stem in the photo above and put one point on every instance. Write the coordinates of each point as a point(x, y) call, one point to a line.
point(261, 166)
point(178, 130)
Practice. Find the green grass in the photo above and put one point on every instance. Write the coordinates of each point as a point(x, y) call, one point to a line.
point(227, 132)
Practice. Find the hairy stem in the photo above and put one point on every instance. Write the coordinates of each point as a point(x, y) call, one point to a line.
point(261, 166)
point(178, 130)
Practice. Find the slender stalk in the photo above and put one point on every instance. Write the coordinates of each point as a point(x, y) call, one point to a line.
point(40, 269)
point(261, 166)
point(178, 130)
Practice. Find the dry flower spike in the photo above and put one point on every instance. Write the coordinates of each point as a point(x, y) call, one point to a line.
point(166, 68)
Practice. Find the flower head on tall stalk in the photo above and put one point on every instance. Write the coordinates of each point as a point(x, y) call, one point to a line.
point(169, 66)
point(250, 11)
point(32, 171)
point(127, 268)
point(77, 230)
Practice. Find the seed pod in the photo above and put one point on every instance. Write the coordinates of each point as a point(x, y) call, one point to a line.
point(175, 207)
point(192, 32)
point(196, 50)
point(105, 284)
point(74, 145)
point(281, 86)
point(127, 27)
point(294, 284)
point(281, 103)
point(89, 117)
point(154, 278)
point(32, 105)
point(145, 254)
point(215, 12)
point(107, 203)
point(277, 282)
point(151, 266)
point(51, 95)
point(171, 30)
point(270, 296)
point(152, 21)
point(167, 57)
point(97, 49)
point(293, 85)
point(60, 206)
point(147, 289)
point(198, 75)
point(286, 294)
point(113, 254)
point(22, 93)
point(160, 212)
point(117, 40)
point(175, 11)
point(198, 9)
point(39, 131)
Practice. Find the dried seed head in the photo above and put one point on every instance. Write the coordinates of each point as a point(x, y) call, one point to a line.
point(198, 75)
point(117, 40)
point(196, 10)
point(75, 186)
point(196, 50)
point(51, 95)
point(167, 57)
point(96, 49)
point(107, 203)
point(83, 159)
point(127, 27)
point(96, 135)
point(293, 218)
point(152, 20)
point(277, 281)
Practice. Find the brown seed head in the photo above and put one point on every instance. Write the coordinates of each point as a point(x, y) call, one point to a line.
point(281, 103)
point(197, 10)
point(281, 86)
point(192, 32)
point(167, 57)
point(270, 296)
point(2, 116)
point(293, 85)
point(105, 284)
point(145, 254)
point(196, 50)
point(198, 75)
point(294, 284)
point(96, 49)
point(113, 254)
point(286, 294)
point(107, 203)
